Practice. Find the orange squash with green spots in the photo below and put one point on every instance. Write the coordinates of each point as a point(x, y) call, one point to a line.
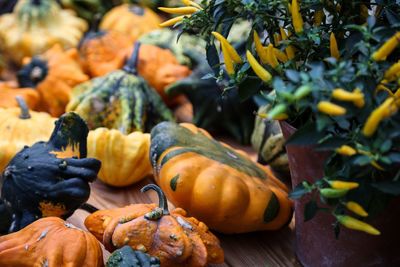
point(215, 183)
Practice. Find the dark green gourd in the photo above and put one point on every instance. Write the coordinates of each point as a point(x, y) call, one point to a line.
point(127, 257)
point(50, 178)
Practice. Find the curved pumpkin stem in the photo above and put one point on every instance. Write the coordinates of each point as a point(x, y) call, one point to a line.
point(162, 200)
point(24, 108)
point(131, 64)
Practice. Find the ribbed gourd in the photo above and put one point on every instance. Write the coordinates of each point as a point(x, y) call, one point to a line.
point(215, 183)
point(120, 100)
point(19, 128)
point(124, 158)
point(35, 26)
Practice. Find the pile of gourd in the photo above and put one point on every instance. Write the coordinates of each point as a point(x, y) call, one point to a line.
point(79, 103)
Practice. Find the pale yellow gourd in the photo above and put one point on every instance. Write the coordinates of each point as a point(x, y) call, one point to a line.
point(124, 158)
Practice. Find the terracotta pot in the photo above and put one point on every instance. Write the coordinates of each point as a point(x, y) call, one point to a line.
point(316, 245)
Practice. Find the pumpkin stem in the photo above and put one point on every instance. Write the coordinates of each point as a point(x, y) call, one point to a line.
point(131, 64)
point(163, 203)
point(24, 108)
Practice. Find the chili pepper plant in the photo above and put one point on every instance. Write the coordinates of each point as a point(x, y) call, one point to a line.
point(335, 69)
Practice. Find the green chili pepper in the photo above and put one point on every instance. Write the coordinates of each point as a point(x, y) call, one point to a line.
point(333, 193)
point(302, 92)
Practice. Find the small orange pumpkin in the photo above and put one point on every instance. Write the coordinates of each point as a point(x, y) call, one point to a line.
point(9, 91)
point(50, 241)
point(175, 239)
point(104, 51)
point(131, 20)
point(53, 74)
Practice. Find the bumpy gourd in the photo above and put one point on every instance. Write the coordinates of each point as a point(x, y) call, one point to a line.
point(124, 158)
point(120, 100)
point(267, 139)
point(35, 26)
point(215, 183)
point(21, 127)
point(9, 92)
point(171, 236)
point(50, 242)
point(127, 257)
point(131, 20)
point(50, 178)
point(53, 74)
point(5, 218)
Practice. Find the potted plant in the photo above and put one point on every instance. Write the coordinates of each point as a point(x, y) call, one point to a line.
point(335, 69)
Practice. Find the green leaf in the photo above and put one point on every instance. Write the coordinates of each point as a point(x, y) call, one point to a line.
point(310, 209)
point(361, 160)
point(249, 87)
point(306, 135)
point(299, 191)
point(394, 157)
point(213, 58)
point(388, 187)
point(293, 75)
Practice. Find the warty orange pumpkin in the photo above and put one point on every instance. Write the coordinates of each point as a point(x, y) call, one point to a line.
point(50, 242)
point(171, 236)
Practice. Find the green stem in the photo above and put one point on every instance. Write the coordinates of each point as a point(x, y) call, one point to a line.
point(162, 200)
point(24, 108)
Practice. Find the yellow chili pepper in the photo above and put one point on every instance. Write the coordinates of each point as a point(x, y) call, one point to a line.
point(352, 223)
point(281, 56)
point(179, 10)
point(262, 73)
point(346, 150)
point(289, 49)
point(173, 21)
point(387, 48)
point(377, 116)
point(230, 69)
point(271, 58)
point(333, 46)
point(393, 72)
point(296, 17)
point(281, 117)
point(260, 48)
point(336, 184)
point(382, 87)
point(277, 38)
point(319, 16)
point(191, 3)
point(330, 108)
point(230, 49)
point(357, 97)
point(356, 208)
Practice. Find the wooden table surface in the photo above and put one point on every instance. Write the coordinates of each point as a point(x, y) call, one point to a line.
point(259, 249)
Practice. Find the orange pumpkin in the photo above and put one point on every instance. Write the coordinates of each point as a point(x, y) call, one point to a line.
point(214, 182)
point(53, 74)
point(131, 20)
point(160, 68)
point(104, 51)
point(50, 242)
point(9, 91)
point(172, 237)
